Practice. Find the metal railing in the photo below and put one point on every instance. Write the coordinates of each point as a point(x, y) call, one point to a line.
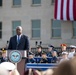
point(45, 49)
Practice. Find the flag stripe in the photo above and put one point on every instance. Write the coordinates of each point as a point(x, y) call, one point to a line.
point(68, 10)
point(74, 9)
point(62, 9)
point(65, 10)
point(55, 11)
point(58, 9)
point(71, 9)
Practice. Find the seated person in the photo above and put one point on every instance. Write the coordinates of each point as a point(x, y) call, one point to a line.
point(44, 58)
point(64, 57)
point(39, 52)
point(31, 58)
point(4, 57)
point(50, 50)
point(63, 49)
point(70, 55)
point(54, 58)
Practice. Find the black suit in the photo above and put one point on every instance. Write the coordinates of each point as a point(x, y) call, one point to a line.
point(23, 44)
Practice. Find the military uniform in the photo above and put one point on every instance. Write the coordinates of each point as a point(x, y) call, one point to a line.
point(50, 50)
point(44, 60)
point(49, 54)
point(38, 54)
point(54, 59)
point(32, 60)
point(63, 49)
point(3, 58)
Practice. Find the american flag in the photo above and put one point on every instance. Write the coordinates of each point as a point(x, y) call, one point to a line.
point(65, 10)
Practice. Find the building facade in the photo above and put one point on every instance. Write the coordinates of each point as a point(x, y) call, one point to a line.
point(36, 19)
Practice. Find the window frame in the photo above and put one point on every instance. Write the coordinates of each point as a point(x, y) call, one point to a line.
point(15, 5)
point(52, 3)
point(37, 38)
point(36, 4)
point(52, 31)
point(1, 3)
point(73, 29)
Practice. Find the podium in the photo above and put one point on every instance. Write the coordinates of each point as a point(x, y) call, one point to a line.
point(21, 65)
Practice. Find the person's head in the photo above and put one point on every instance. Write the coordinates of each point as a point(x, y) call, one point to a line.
point(54, 53)
point(3, 52)
point(31, 56)
point(43, 55)
point(10, 67)
point(63, 47)
point(63, 69)
point(64, 54)
point(72, 48)
point(39, 48)
point(3, 71)
point(19, 30)
point(50, 48)
point(66, 68)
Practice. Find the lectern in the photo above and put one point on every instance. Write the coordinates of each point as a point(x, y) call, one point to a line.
point(22, 63)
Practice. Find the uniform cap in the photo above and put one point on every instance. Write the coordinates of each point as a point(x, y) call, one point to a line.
point(30, 53)
point(3, 50)
point(51, 46)
point(39, 46)
point(43, 52)
point(72, 46)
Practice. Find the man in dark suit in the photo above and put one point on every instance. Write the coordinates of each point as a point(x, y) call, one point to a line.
point(19, 41)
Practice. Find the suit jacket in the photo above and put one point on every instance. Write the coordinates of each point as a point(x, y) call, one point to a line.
point(22, 45)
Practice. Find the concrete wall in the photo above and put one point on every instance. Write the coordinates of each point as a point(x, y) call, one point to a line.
point(26, 13)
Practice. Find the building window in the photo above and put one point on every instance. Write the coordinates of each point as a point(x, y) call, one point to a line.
point(36, 1)
point(52, 1)
point(56, 29)
point(74, 29)
point(36, 28)
point(16, 2)
point(14, 25)
point(0, 30)
point(0, 2)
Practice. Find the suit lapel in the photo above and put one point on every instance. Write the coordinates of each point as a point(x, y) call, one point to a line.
point(16, 39)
